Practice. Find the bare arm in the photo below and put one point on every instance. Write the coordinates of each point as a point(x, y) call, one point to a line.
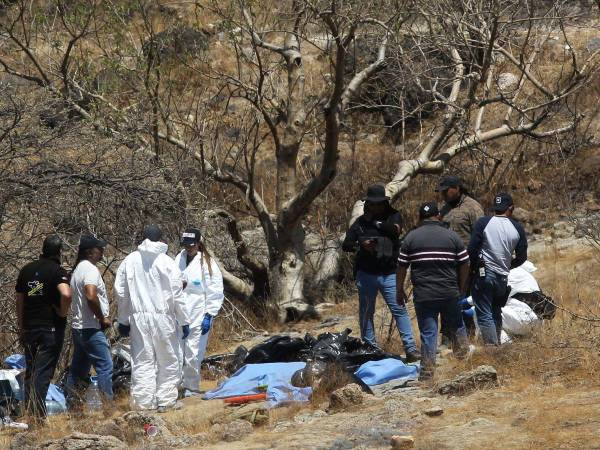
point(91, 295)
point(463, 277)
point(65, 299)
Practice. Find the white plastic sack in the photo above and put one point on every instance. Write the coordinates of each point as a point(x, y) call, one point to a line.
point(521, 280)
point(11, 376)
point(504, 338)
point(518, 319)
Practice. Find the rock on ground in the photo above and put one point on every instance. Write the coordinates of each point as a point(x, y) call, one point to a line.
point(255, 413)
point(434, 411)
point(481, 377)
point(349, 395)
point(23, 441)
point(81, 441)
point(507, 81)
point(233, 431)
point(111, 428)
point(402, 442)
point(199, 440)
point(134, 422)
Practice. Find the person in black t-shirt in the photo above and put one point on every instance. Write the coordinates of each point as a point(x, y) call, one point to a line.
point(43, 299)
point(375, 235)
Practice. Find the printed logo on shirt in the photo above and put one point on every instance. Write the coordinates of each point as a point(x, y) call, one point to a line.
point(36, 289)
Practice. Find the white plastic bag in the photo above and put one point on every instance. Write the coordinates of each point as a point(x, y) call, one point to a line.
point(521, 280)
point(518, 319)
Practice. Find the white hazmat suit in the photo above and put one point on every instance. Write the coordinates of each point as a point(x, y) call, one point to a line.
point(148, 287)
point(203, 294)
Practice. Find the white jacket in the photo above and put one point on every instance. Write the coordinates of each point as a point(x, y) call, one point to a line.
point(148, 281)
point(203, 293)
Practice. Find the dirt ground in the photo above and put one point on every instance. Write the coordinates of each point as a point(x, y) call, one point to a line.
point(549, 394)
point(548, 398)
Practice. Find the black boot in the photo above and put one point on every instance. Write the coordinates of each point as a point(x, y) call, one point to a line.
point(413, 356)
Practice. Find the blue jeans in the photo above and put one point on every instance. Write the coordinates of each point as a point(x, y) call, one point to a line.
point(91, 348)
point(368, 287)
point(427, 318)
point(489, 293)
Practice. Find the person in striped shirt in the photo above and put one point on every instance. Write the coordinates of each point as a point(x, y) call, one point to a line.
point(439, 269)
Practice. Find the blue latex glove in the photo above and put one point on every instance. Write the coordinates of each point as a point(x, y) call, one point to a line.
point(185, 331)
point(464, 303)
point(469, 312)
point(124, 330)
point(206, 323)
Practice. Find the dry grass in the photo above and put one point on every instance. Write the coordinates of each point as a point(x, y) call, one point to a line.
point(559, 363)
point(549, 381)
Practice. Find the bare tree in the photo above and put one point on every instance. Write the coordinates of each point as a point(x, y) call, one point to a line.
point(52, 183)
point(242, 103)
point(269, 75)
point(495, 50)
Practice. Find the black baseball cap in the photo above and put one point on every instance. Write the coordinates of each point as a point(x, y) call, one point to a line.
point(152, 232)
point(87, 241)
point(448, 181)
point(502, 202)
point(190, 236)
point(376, 194)
point(428, 209)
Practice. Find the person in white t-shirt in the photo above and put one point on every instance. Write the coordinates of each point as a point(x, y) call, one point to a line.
point(89, 320)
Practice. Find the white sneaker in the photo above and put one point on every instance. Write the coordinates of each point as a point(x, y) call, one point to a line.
point(189, 393)
point(175, 407)
point(8, 422)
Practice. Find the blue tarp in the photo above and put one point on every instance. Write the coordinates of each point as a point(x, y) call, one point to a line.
point(15, 361)
point(55, 395)
point(379, 372)
point(275, 376)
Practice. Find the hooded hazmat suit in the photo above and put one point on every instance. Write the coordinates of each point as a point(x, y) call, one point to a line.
point(203, 295)
point(148, 287)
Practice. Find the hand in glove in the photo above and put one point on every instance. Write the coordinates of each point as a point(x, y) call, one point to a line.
point(185, 331)
point(464, 303)
point(206, 323)
point(124, 330)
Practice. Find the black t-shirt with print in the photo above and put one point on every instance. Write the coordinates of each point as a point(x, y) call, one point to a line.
point(39, 281)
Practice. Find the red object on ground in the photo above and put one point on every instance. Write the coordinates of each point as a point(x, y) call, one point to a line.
point(241, 399)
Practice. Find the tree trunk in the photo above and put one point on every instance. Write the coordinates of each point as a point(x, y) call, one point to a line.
point(287, 275)
point(286, 271)
point(325, 260)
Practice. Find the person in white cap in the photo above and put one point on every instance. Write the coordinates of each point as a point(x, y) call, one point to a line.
point(204, 297)
point(148, 287)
